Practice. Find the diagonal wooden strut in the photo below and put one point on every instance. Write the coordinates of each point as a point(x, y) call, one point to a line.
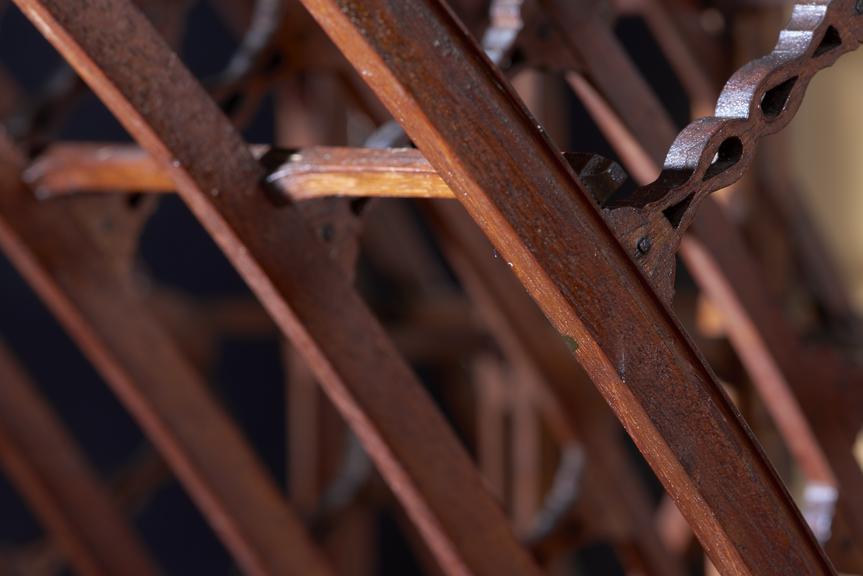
point(804, 392)
point(53, 475)
point(125, 62)
point(471, 127)
point(95, 301)
point(760, 333)
point(529, 340)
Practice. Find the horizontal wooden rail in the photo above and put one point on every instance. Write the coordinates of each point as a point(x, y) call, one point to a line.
point(318, 172)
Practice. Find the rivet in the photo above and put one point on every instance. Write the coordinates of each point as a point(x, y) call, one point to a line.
point(644, 244)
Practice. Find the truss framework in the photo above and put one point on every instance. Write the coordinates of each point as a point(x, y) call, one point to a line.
point(583, 259)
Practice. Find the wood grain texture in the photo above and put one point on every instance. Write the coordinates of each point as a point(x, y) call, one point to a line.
point(144, 84)
point(533, 345)
point(460, 113)
point(801, 386)
point(306, 173)
point(94, 298)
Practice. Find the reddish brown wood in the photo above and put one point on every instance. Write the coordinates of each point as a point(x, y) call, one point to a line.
point(693, 72)
point(65, 168)
point(91, 295)
point(752, 349)
point(713, 152)
point(584, 31)
point(307, 173)
point(491, 391)
point(709, 154)
point(481, 158)
point(765, 371)
point(800, 386)
point(53, 475)
point(744, 329)
point(458, 110)
point(119, 54)
point(408, 171)
point(533, 345)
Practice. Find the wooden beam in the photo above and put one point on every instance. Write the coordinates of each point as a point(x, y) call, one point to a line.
point(51, 472)
point(78, 278)
point(130, 68)
point(469, 124)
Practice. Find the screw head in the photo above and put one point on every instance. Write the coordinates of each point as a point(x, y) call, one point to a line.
point(644, 244)
point(858, 6)
point(327, 232)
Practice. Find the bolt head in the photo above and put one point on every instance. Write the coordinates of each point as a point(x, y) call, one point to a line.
point(644, 244)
